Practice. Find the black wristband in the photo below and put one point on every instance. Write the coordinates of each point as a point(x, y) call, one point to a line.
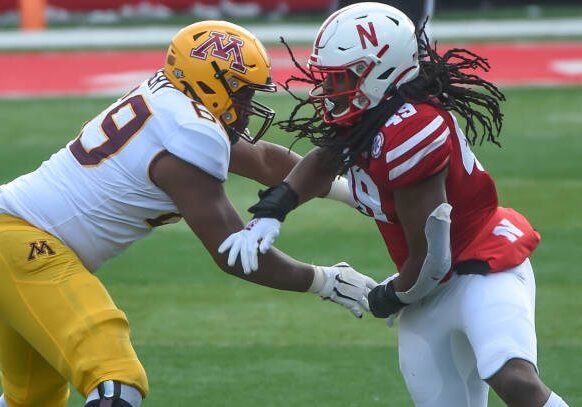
point(383, 301)
point(276, 202)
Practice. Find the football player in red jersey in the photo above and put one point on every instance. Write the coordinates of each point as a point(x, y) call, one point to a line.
point(465, 291)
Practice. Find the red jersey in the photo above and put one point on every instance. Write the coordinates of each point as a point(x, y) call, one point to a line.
point(418, 141)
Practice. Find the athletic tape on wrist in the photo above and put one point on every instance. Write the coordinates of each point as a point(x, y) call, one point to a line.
point(318, 280)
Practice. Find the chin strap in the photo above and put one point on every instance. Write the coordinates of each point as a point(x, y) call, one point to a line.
point(233, 135)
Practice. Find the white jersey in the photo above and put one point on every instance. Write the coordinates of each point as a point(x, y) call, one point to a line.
point(95, 194)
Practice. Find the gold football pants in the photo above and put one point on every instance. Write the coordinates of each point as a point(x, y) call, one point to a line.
point(58, 324)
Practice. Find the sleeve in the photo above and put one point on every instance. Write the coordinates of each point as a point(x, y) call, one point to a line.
point(205, 146)
point(417, 149)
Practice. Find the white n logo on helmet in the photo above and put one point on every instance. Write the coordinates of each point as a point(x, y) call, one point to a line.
point(233, 49)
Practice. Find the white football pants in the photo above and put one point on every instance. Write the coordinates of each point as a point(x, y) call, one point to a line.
point(464, 332)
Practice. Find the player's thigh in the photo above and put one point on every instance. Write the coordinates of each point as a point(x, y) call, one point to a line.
point(436, 359)
point(27, 379)
point(64, 312)
point(499, 317)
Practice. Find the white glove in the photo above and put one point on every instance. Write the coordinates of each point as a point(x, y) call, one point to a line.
point(343, 285)
point(259, 234)
point(391, 320)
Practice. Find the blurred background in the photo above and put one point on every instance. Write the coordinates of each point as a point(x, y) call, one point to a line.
point(207, 339)
point(104, 12)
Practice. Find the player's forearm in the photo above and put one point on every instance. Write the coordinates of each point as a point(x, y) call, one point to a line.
point(313, 176)
point(264, 162)
point(408, 274)
point(277, 161)
point(308, 179)
point(275, 270)
point(428, 263)
point(280, 271)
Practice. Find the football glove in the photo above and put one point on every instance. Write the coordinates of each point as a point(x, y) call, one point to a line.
point(343, 285)
point(384, 302)
point(258, 234)
point(391, 320)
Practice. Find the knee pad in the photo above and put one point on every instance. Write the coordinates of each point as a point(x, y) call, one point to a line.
point(111, 393)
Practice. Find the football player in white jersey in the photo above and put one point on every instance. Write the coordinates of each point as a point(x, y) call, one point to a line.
point(160, 153)
point(465, 287)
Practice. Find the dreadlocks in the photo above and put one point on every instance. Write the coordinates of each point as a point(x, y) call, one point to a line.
point(442, 82)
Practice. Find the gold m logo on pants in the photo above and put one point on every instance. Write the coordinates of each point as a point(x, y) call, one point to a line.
point(38, 248)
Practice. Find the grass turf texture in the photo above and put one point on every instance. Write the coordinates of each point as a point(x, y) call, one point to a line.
point(208, 339)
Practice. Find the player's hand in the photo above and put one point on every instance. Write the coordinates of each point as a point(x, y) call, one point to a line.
point(343, 285)
point(391, 320)
point(258, 234)
point(384, 303)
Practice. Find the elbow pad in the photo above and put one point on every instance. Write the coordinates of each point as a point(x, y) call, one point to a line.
point(438, 255)
point(340, 191)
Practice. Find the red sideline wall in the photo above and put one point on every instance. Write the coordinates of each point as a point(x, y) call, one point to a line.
point(86, 5)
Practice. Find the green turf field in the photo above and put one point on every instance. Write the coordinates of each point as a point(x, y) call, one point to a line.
point(208, 339)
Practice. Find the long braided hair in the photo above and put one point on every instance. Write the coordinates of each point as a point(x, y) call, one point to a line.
point(443, 81)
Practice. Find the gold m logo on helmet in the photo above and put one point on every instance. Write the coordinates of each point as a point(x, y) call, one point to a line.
point(232, 49)
point(40, 247)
